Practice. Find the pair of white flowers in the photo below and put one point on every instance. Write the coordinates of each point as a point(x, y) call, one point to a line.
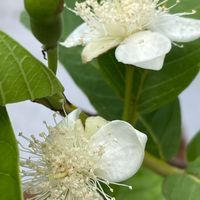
point(142, 31)
point(73, 161)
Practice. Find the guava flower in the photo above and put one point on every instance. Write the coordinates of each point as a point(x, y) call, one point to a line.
point(142, 31)
point(74, 160)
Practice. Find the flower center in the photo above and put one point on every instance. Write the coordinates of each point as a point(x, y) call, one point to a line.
point(117, 18)
point(63, 167)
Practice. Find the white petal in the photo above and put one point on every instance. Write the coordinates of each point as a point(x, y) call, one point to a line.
point(121, 148)
point(141, 137)
point(144, 49)
point(70, 120)
point(155, 64)
point(178, 29)
point(98, 47)
point(93, 124)
point(74, 115)
point(80, 36)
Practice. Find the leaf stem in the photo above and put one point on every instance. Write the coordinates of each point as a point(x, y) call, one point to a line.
point(128, 92)
point(160, 167)
point(52, 55)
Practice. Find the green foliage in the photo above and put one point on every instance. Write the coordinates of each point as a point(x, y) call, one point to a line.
point(164, 129)
point(23, 77)
point(146, 186)
point(182, 187)
point(9, 172)
point(194, 167)
point(113, 73)
point(185, 6)
point(89, 80)
point(193, 148)
point(153, 89)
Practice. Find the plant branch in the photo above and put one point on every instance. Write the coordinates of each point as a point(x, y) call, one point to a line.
point(139, 91)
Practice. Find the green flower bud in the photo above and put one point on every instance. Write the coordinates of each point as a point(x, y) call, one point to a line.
point(45, 20)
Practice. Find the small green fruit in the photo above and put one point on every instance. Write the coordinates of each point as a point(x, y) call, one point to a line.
point(46, 20)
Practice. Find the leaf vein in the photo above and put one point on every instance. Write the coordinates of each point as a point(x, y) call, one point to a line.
point(20, 63)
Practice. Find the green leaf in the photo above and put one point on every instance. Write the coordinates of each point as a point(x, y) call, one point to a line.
point(88, 79)
point(163, 127)
point(9, 172)
point(181, 67)
point(113, 72)
point(146, 186)
point(22, 76)
point(184, 187)
point(185, 6)
point(194, 167)
point(193, 148)
point(153, 89)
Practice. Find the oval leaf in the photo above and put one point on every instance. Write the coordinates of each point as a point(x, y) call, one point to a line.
point(9, 172)
point(184, 187)
point(88, 79)
point(193, 148)
point(164, 129)
point(194, 167)
point(146, 186)
point(23, 77)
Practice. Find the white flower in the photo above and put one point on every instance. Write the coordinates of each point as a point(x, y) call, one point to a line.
point(142, 30)
point(72, 161)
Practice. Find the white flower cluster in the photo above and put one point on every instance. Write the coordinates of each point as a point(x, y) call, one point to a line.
point(73, 161)
point(141, 30)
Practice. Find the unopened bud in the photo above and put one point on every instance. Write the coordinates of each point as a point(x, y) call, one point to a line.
point(46, 20)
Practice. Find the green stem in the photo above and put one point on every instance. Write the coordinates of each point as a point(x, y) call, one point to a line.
point(160, 167)
point(128, 92)
point(53, 102)
point(137, 97)
point(52, 55)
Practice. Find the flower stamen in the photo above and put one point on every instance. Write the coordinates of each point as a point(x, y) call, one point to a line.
point(62, 170)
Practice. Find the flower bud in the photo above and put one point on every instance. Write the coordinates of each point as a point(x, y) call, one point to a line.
point(45, 20)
